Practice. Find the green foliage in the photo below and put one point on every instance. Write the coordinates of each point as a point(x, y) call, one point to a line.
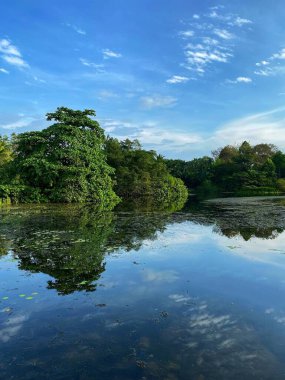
point(142, 173)
point(279, 162)
point(193, 172)
point(281, 184)
point(66, 162)
point(243, 169)
point(71, 161)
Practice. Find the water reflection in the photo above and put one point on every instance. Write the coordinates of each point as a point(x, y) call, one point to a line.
point(175, 297)
point(261, 217)
point(69, 243)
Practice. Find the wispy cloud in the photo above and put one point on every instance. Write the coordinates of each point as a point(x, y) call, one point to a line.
point(167, 276)
point(23, 122)
point(266, 72)
point(107, 53)
point(211, 39)
point(279, 55)
point(272, 65)
point(157, 101)
point(15, 61)
point(76, 29)
point(11, 327)
point(186, 33)
point(98, 66)
point(262, 63)
point(151, 134)
point(105, 95)
point(240, 80)
point(224, 34)
point(241, 21)
point(11, 54)
point(7, 48)
point(267, 127)
point(177, 79)
point(4, 71)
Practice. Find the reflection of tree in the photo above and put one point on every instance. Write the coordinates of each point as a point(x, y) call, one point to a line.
point(248, 218)
point(69, 243)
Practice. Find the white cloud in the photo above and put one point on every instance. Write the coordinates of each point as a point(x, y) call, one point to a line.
point(244, 79)
point(199, 57)
point(271, 66)
point(268, 71)
point(151, 134)
point(7, 48)
point(267, 127)
point(11, 54)
point(18, 124)
point(177, 79)
point(186, 33)
point(157, 101)
point(37, 79)
point(169, 139)
point(79, 31)
point(241, 80)
point(105, 95)
point(241, 21)
point(107, 53)
point(11, 327)
point(223, 33)
point(98, 66)
point(4, 71)
point(168, 276)
point(76, 29)
point(15, 61)
point(213, 39)
point(279, 55)
point(262, 63)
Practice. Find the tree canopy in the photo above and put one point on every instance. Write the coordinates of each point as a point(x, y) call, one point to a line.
point(73, 161)
point(243, 169)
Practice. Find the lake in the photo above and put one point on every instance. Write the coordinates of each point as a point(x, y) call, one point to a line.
point(139, 295)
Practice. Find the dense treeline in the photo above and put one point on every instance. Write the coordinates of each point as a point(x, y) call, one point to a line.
point(142, 173)
point(73, 161)
point(241, 170)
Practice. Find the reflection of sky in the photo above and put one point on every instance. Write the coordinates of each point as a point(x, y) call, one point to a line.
point(214, 292)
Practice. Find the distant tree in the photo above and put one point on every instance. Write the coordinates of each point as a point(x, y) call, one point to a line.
point(139, 172)
point(263, 152)
point(279, 162)
point(226, 154)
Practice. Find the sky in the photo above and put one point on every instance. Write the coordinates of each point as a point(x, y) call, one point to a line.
point(183, 76)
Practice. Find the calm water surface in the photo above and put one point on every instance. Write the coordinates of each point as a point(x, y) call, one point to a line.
point(140, 295)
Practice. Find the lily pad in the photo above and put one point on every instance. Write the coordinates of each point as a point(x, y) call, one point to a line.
point(29, 298)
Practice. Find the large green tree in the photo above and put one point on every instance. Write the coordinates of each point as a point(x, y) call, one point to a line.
point(66, 162)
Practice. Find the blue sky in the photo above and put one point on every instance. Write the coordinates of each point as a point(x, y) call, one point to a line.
point(182, 76)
